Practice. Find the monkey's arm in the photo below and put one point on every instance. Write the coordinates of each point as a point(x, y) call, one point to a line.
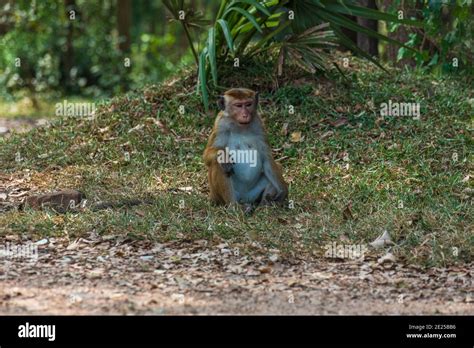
point(210, 153)
point(210, 159)
point(218, 173)
point(218, 140)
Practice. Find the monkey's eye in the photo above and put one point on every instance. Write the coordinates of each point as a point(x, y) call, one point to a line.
point(248, 105)
point(238, 105)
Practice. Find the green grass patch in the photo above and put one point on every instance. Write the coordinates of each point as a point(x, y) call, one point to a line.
point(410, 177)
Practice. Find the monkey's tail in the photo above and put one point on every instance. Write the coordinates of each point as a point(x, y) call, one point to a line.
point(120, 204)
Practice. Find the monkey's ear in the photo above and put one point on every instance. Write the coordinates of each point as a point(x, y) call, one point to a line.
point(221, 103)
point(256, 98)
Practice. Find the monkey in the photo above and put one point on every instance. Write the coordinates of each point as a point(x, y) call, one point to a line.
point(238, 129)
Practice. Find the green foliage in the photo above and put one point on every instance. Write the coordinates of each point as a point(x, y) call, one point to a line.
point(37, 37)
point(150, 65)
point(306, 50)
point(26, 59)
point(446, 38)
point(38, 33)
point(314, 12)
point(244, 28)
point(291, 95)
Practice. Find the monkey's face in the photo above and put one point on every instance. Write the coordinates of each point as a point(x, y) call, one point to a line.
point(243, 110)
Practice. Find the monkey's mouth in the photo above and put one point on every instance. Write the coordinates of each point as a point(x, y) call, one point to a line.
point(244, 120)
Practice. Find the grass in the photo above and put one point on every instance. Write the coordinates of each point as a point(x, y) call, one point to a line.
point(41, 106)
point(410, 177)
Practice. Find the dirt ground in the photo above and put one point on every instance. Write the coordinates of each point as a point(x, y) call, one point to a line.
point(19, 125)
point(114, 276)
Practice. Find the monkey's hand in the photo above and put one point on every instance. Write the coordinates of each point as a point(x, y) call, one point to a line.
point(228, 168)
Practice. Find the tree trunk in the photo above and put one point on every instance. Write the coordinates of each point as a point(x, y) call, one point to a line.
point(67, 59)
point(364, 42)
point(6, 21)
point(124, 22)
point(351, 35)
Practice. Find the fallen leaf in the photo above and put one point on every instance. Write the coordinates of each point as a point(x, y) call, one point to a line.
point(273, 258)
point(252, 272)
point(296, 137)
point(74, 245)
point(389, 257)
point(12, 237)
point(138, 127)
point(321, 275)
point(340, 122)
point(95, 274)
point(265, 269)
point(347, 212)
point(382, 240)
point(327, 135)
point(160, 124)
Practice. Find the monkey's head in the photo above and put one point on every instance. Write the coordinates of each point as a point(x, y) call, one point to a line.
point(240, 104)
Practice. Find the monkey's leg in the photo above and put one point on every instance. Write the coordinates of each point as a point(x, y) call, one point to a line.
point(264, 193)
point(255, 193)
point(273, 174)
point(271, 195)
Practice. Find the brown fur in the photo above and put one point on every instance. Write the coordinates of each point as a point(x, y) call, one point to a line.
point(219, 181)
point(240, 93)
point(60, 201)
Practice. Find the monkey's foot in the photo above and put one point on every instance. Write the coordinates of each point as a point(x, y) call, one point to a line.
point(248, 209)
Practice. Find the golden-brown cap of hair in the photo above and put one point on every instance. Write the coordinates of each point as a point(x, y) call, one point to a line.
point(240, 93)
